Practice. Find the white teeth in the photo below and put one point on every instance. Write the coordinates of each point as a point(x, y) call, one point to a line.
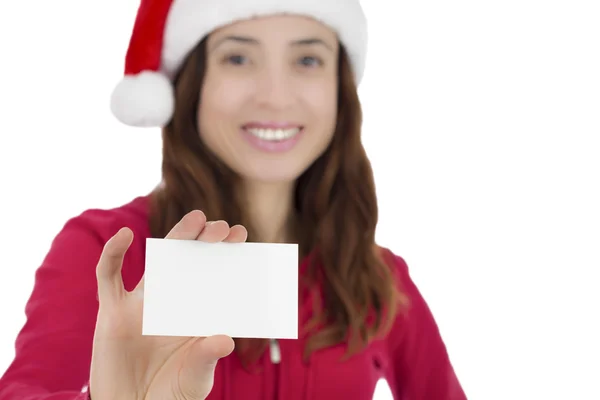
point(274, 134)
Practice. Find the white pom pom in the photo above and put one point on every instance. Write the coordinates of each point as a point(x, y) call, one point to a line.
point(143, 100)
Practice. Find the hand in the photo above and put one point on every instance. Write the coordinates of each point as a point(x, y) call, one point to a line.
point(126, 365)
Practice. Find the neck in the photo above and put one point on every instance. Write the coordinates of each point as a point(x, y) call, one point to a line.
point(271, 211)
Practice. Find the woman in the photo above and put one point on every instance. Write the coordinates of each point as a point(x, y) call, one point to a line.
point(261, 127)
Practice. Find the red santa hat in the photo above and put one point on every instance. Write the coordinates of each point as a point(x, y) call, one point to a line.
point(165, 31)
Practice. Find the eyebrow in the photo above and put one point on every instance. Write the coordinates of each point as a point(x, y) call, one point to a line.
point(252, 41)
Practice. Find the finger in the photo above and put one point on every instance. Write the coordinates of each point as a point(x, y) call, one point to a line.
point(216, 347)
point(108, 270)
point(214, 231)
point(188, 228)
point(237, 234)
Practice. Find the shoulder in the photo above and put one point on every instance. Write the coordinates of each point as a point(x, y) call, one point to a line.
point(413, 319)
point(411, 305)
point(396, 263)
point(84, 236)
point(422, 367)
point(104, 223)
point(79, 244)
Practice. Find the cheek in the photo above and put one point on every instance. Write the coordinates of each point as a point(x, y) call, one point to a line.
point(221, 99)
point(220, 104)
point(321, 99)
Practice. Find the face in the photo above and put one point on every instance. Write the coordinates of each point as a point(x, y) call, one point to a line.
point(268, 104)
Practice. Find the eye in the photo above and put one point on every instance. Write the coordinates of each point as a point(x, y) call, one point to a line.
point(236, 59)
point(309, 61)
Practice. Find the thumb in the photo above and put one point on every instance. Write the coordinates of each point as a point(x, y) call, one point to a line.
point(108, 270)
point(198, 370)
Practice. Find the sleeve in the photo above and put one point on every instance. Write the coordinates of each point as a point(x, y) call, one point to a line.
point(53, 349)
point(422, 367)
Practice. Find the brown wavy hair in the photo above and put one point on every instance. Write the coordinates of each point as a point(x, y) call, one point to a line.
point(335, 200)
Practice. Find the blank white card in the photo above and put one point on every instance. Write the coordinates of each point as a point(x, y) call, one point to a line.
point(245, 290)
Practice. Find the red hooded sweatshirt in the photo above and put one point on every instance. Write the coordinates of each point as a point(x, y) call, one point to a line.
point(54, 348)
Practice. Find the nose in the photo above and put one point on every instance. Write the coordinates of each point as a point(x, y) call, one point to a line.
point(275, 89)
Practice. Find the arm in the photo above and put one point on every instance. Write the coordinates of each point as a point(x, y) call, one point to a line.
point(423, 370)
point(54, 348)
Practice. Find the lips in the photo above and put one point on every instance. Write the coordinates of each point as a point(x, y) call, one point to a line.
point(273, 131)
point(273, 137)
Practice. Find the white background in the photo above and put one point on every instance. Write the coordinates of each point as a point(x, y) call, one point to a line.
point(482, 121)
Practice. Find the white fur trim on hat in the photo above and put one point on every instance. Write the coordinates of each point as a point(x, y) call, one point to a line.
point(189, 21)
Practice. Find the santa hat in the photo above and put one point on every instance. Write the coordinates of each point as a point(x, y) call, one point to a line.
point(165, 32)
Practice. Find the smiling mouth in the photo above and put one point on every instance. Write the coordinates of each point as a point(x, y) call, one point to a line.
point(274, 135)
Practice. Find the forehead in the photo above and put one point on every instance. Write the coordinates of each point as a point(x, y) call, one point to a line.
point(285, 26)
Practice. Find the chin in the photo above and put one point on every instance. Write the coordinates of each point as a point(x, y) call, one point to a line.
point(272, 174)
point(275, 177)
